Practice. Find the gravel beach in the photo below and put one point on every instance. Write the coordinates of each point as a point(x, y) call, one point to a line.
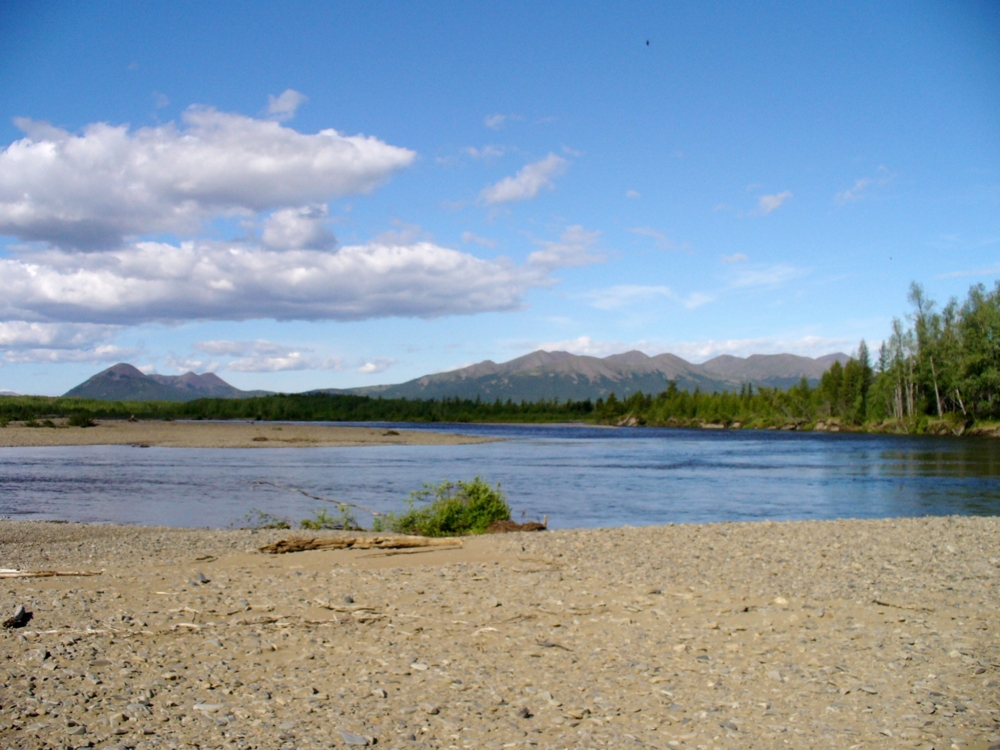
point(222, 435)
point(832, 634)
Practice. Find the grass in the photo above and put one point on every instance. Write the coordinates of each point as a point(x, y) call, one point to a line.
point(449, 509)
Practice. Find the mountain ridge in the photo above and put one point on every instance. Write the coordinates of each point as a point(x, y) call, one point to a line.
point(125, 382)
point(562, 375)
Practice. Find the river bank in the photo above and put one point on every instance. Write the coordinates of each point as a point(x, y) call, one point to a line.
point(807, 634)
point(170, 434)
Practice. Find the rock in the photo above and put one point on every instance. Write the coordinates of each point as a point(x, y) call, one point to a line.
point(380, 693)
point(524, 713)
point(21, 618)
point(353, 739)
point(348, 599)
point(430, 708)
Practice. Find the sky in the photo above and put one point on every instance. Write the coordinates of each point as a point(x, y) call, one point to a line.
point(306, 195)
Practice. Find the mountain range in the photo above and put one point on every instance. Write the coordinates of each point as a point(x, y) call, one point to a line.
point(535, 376)
point(551, 375)
point(123, 382)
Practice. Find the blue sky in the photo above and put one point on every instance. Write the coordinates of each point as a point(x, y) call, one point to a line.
point(304, 195)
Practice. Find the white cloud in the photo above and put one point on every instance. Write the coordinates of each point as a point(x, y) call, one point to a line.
point(574, 248)
point(527, 183)
point(469, 237)
point(765, 277)
point(662, 241)
point(769, 203)
point(734, 258)
point(266, 356)
point(104, 353)
point(185, 364)
point(486, 152)
point(633, 195)
point(376, 365)
point(273, 363)
point(861, 187)
point(621, 295)
point(496, 122)
point(284, 106)
point(93, 189)
point(152, 281)
point(160, 100)
point(298, 229)
point(22, 334)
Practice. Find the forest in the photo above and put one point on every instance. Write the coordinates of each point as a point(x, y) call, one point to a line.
point(938, 371)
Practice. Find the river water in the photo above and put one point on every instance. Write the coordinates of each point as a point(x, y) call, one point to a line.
point(577, 476)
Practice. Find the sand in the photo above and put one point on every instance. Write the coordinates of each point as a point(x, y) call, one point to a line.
point(834, 634)
point(222, 435)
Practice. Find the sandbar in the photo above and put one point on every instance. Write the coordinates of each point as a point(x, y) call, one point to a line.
point(821, 634)
point(196, 434)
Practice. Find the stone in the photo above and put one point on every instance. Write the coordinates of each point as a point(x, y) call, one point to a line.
point(20, 618)
point(353, 739)
point(430, 708)
point(380, 693)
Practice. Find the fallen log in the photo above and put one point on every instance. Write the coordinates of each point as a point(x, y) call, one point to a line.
point(506, 527)
point(8, 573)
point(305, 544)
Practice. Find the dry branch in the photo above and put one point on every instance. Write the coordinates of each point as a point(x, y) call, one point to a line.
point(47, 573)
point(317, 497)
point(303, 544)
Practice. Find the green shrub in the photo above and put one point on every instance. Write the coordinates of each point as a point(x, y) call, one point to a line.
point(452, 508)
point(322, 520)
point(258, 519)
point(31, 423)
point(81, 419)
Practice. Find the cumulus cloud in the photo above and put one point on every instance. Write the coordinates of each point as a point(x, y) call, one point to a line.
point(862, 186)
point(769, 203)
point(284, 106)
point(198, 280)
point(22, 334)
point(734, 258)
point(574, 248)
point(376, 365)
point(103, 353)
point(92, 190)
point(298, 229)
point(527, 183)
point(273, 362)
point(621, 295)
point(585, 346)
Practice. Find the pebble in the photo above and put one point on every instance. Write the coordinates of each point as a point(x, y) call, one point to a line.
point(860, 645)
point(353, 739)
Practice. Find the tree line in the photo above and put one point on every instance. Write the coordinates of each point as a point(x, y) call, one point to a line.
point(938, 370)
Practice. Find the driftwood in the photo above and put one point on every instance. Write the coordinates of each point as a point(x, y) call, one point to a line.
point(503, 527)
point(316, 497)
point(304, 544)
point(7, 573)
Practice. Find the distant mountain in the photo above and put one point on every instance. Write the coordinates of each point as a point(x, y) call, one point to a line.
point(123, 382)
point(9, 393)
point(551, 375)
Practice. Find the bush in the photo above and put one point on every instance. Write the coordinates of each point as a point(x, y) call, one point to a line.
point(454, 508)
point(321, 520)
point(258, 519)
point(81, 419)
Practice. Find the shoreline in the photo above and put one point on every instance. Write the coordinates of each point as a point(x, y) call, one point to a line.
point(870, 633)
point(204, 434)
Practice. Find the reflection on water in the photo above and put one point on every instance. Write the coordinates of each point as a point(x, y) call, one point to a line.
point(577, 476)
